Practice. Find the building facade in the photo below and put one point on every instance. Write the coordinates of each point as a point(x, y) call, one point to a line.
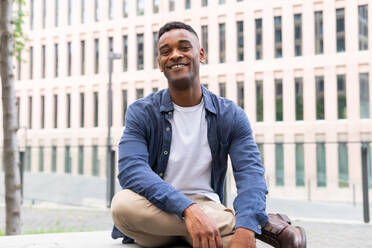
point(300, 69)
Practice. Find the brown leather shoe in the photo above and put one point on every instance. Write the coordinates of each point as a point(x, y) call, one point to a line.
point(279, 233)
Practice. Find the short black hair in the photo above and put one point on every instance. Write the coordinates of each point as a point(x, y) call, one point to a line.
point(175, 25)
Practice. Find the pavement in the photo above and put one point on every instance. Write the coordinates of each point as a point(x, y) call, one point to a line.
point(78, 218)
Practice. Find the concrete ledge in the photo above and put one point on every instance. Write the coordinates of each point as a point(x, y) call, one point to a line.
point(64, 240)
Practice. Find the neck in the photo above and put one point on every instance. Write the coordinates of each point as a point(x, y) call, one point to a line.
point(186, 97)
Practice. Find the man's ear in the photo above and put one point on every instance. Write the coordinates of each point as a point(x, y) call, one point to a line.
point(202, 55)
point(161, 69)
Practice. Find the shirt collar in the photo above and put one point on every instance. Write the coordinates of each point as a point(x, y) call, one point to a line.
point(166, 104)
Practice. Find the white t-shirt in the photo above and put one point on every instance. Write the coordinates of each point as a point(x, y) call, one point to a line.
point(190, 160)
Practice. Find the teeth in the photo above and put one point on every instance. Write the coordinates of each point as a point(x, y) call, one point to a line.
point(177, 66)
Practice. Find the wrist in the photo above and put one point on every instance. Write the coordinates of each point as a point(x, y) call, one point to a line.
point(244, 231)
point(187, 210)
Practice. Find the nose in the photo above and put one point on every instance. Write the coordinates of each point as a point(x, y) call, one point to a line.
point(175, 55)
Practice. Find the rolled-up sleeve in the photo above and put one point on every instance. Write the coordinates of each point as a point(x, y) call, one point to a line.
point(250, 203)
point(135, 172)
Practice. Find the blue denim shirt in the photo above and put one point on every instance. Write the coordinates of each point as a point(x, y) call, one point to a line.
point(145, 147)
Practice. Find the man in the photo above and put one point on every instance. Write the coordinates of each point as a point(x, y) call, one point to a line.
point(173, 161)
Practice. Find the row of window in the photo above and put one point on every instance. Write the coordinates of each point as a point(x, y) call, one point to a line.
point(140, 9)
point(67, 159)
point(321, 166)
point(300, 175)
point(278, 45)
point(364, 101)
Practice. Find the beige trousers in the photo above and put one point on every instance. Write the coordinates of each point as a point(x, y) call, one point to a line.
point(150, 226)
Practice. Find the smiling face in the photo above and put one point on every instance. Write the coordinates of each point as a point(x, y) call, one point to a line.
point(179, 58)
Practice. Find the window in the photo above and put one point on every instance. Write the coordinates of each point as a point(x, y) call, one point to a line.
point(204, 3)
point(56, 60)
point(364, 95)
point(41, 158)
point(43, 51)
point(95, 97)
point(300, 165)
point(82, 14)
point(110, 44)
point(318, 15)
point(28, 158)
point(221, 1)
point(222, 87)
point(261, 149)
point(125, 104)
point(82, 109)
point(278, 36)
point(30, 112)
point(96, 57)
point(171, 5)
point(44, 13)
point(340, 29)
point(54, 158)
point(140, 7)
point(363, 27)
point(205, 85)
point(279, 164)
point(69, 10)
point(298, 34)
point(155, 89)
point(31, 63)
point(82, 54)
point(240, 40)
point(125, 8)
point(187, 4)
point(321, 165)
point(140, 52)
point(259, 100)
point(96, 10)
point(56, 9)
point(95, 167)
point(81, 160)
point(68, 110)
point(279, 99)
point(204, 41)
point(139, 93)
point(42, 111)
point(67, 159)
point(55, 117)
point(155, 6)
point(125, 53)
point(32, 14)
point(319, 88)
point(240, 88)
point(111, 9)
point(343, 168)
point(341, 97)
point(258, 24)
point(155, 49)
point(299, 94)
point(69, 57)
point(222, 42)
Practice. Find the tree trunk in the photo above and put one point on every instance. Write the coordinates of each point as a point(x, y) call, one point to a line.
point(10, 156)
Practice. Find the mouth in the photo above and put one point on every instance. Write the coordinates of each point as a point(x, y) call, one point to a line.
point(177, 66)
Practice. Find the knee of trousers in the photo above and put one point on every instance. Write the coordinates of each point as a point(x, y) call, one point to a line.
point(127, 208)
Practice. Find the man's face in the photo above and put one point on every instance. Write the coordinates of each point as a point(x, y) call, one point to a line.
point(179, 57)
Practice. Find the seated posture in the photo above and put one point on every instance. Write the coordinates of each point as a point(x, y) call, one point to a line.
point(173, 161)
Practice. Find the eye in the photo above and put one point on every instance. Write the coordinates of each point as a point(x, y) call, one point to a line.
point(185, 48)
point(164, 52)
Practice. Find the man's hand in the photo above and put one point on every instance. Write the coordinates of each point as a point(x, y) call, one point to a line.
point(203, 231)
point(243, 238)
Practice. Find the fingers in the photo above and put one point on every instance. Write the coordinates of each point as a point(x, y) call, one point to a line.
point(195, 242)
point(204, 241)
point(219, 243)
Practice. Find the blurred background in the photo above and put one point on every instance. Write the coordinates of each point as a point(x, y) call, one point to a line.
point(299, 69)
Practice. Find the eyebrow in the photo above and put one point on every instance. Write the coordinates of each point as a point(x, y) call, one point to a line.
point(180, 41)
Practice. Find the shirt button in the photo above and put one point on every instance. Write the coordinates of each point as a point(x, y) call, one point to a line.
point(259, 227)
point(161, 174)
point(168, 129)
point(169, 113)
point(165, 152)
